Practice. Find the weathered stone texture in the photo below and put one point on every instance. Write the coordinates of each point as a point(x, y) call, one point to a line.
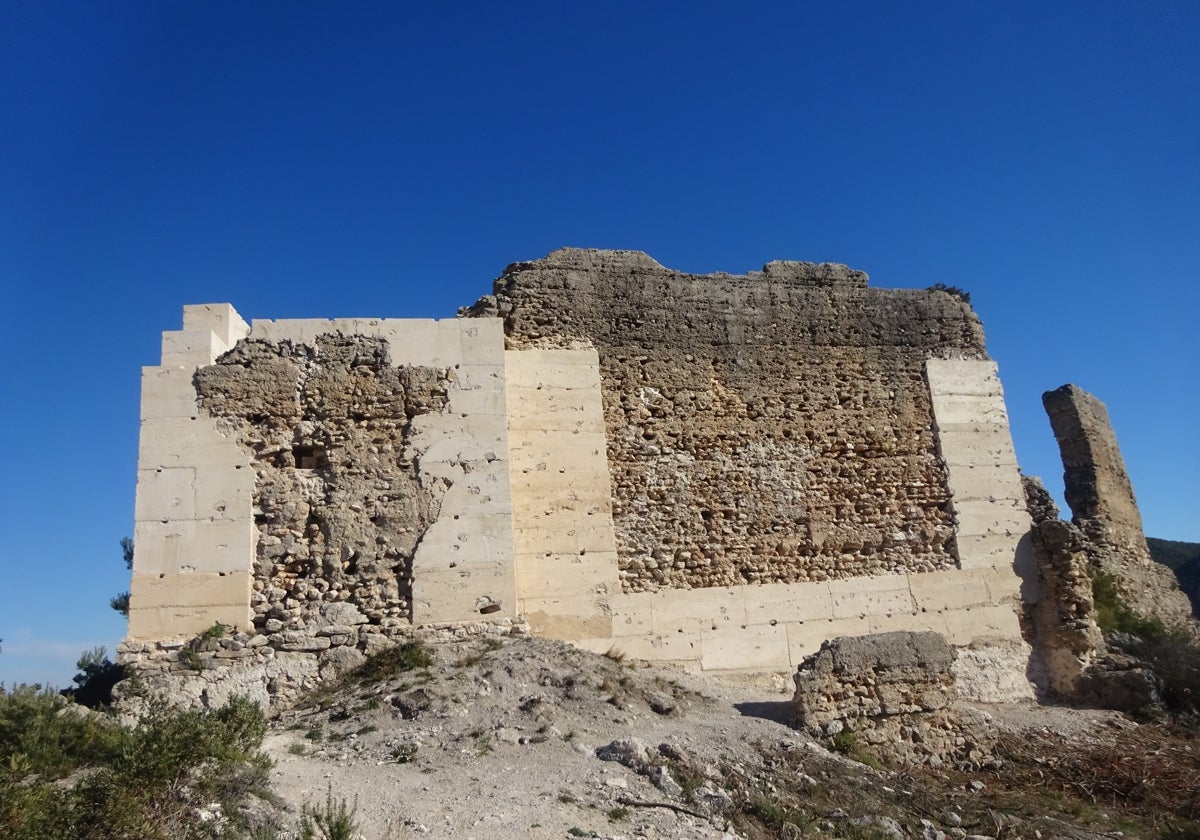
point(873, 676)
point(1063, 621)
point(1096, 485)
point(767, 428)
point(1103, 508)
point(339, 503)
point(893, 691)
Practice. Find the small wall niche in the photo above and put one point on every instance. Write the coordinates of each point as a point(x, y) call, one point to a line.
point(310, 456)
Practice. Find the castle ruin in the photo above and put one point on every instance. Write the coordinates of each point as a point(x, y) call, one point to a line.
point(715, 470)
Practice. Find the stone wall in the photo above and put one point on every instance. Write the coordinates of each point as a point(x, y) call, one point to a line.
point(365, 464)
point(1103, 507)
point(890, 694)
point(723, 471)
point(774, 427)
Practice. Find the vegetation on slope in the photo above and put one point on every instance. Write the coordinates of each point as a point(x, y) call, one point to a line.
point(68, 772)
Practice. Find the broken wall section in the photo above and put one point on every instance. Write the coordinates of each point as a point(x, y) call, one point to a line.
point(373, 458)
point(768, 428)
point(1103, 507)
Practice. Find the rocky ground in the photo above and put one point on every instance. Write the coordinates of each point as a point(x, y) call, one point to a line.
point(523, 737)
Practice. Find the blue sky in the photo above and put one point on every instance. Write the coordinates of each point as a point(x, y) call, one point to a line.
point(303, 160)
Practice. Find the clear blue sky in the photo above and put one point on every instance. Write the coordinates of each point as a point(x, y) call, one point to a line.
point(300, 160)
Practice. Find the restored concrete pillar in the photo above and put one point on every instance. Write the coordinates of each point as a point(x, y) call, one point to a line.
point(565, 543)
point(193, 526)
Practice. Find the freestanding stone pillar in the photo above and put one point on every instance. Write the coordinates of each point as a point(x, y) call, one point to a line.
point(1100, 494)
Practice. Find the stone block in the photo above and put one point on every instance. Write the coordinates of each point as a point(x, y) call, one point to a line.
point(184, 622)
point(855, 597)
point(970, 409)
point(969, 445)
point(459, 438)
point(762, 648)
point(566, 618)
point(177, 442)
point(561, 575)
point(481, 339)
point(478, 488)
point(296, 330)
point(186, 546)
point(477, 390)
point(221, 319)
point(962, 377)
point(528, 373)
point(1018, 581)
point(780, 603)
point(912, 622)
point(581, 540)
point(168, 392)
point(697, 610)
point(532, 448)
point(676, 647)
point(632, 614)
point(564, 514)
point(555, 409)
point(535, 358)
point(197, 589)
point(190, 348)
point(445, 343)
point(468, 593)
point(949, 590)
point(983, 623)
point(805, 638)
point(422, 342)
point(458, 544)
point(1001, 484)
point(985, 551)
point(224, 494)
point(541, 490)
point(981, 516)
point(165, 494)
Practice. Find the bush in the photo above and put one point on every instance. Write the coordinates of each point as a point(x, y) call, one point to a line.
point(1172, 653)
point(1175, 658)
point(964, 296)
point(95, 680)
point(409, 656)
point(66, 772)
point(334, 821)
point(1115, 616)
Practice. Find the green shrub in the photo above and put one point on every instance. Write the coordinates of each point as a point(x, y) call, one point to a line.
point(964, 296)
point(334, 821)
point(1175, 658)
point(1172, 653)
point(409, 656)
point(69, 773)
point(217, 631)
point(95, 680)
point(1115, 616)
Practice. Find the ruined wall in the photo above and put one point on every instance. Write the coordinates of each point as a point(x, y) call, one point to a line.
point(1103, 507)
point(793, 457)
point(768, 428)
point(367, 463)
point(723, 471)
point(338, 502)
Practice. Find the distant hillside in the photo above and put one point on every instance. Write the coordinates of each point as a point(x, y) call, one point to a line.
point(1173, 553)
point(1184, 559)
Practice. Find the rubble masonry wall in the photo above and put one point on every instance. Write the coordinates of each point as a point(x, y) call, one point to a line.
point(722, 471)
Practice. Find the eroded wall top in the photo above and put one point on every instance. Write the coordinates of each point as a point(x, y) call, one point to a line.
point(767, 427)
